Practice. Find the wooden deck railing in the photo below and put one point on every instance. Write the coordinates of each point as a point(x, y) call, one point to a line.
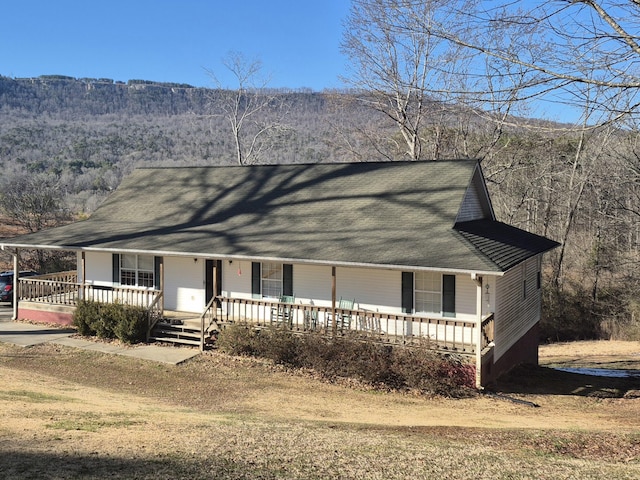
point(57, 289)
point(441, 333)
point(39, 290)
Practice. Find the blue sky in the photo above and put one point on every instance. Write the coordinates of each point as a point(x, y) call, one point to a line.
point(298, 41)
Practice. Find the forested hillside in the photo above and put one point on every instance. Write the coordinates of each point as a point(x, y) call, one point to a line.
point(91, 132)
point(65, 143)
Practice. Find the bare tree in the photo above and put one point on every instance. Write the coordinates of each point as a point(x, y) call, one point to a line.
point(393, 66)
point(571, 48)
point(253, 113)
point(33, 201)
point(423, 81)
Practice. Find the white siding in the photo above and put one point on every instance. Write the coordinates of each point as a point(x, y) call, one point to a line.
point(312, 284)
point(236, 279)
point(99, 266)
point(372, 289)
point(516, 312)
point(471, 208)
point(489, 296)
point(184, 284)
point(466, 293)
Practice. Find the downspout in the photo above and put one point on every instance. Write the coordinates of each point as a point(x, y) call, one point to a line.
point(16, 283)
point(478, 281)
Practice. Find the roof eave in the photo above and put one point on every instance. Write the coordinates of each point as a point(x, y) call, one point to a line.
point(254, 258)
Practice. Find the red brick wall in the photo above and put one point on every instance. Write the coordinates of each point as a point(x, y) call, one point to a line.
point(40, 316)
point(524, 350)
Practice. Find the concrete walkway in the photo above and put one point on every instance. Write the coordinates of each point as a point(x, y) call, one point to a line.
point(26, 334)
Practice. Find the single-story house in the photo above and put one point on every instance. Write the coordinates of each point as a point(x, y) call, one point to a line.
point(403, 251)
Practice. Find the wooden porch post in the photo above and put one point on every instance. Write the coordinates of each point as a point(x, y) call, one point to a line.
point(16, 285)
point(478, 338)
point(214, 304)
point(162, 285)
point(83, 268)
point(334, 327)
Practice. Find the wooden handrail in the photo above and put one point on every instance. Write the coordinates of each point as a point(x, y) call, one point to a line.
point(153, 319)
point(202, 317)
point(488, 333)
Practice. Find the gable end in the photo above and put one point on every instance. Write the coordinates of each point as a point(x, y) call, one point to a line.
point(476, 204)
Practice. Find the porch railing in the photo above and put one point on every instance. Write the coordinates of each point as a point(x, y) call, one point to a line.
point(441, 333)
point(63, 289)
point(58, 289)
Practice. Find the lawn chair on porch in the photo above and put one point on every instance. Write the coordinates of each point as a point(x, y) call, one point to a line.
point(281, 313)
point(343, 319)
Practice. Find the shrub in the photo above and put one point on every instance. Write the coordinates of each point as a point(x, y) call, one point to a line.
point(351, 356)
point(85, 316)
point(428, 372)
point(279, 346)
point(238, 339)
point(111, 320)
point(131, 326)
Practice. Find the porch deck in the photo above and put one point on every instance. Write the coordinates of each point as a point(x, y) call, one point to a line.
point(446, 334)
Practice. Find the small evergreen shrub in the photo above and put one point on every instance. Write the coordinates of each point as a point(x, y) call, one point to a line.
point(111, 320)
point(238, 339)
point(131, 325)
point(84, 317)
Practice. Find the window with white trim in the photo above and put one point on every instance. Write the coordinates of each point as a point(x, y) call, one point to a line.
point(137, 270)
point(271, 279)
point(428, 292)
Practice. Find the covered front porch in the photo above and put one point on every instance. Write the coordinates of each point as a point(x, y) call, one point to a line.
point(54, 297)
point(63, 291)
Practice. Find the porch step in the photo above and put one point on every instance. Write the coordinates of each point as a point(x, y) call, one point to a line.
point(183, 331)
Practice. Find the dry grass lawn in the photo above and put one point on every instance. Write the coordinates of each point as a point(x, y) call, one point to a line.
point(67, 413)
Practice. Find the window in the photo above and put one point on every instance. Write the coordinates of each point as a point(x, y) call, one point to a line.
point(428, 292)
point(137, 270)
point(271, 279)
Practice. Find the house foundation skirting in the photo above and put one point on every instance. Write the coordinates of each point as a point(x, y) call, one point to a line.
point(524, 351)
point(39, 313)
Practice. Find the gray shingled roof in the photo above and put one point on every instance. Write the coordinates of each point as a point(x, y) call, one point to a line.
point(395, 213)
point(504, 245)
